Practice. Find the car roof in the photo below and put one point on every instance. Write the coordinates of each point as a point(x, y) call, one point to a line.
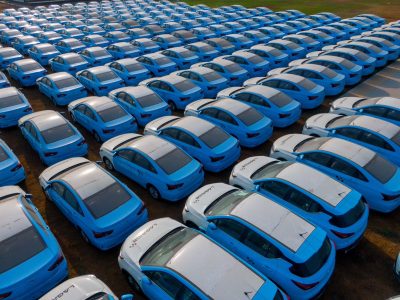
point(86, 179)
point(262, 90)
point(59, 75)
point(153, 146)
point(286, 76)
point(389, 101)
point(45, 119)
point(9, 91)
point(233, 106)
point(98, 103)
point(275, 220)
point(192, 124)
point(99, 69)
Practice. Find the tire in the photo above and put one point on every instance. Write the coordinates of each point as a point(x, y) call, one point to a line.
point(154, 193)
point(172, 105)
point(108, 164)
point(133, 283)
point(97, 137)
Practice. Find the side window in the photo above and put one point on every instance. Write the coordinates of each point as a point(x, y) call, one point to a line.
point(58, 188)
point(287, 86)
point(231, 227)
point(352, 133)
point(81, 108)
point(155, 84)
point(165, 87)
point(71, 200)
point(188, 139)
point(171, 132)
point(90, 114)
point(194, 76)
point(126, 154)
point(302, 201)
point(375, 110)
point(392, 114)
point(277, 188)
point(243, 96)
point(170, 285)
point(260, 245)
point(143, 162)
point(318, 158)
point(271, 83)
point(310, 74)
point(344, 167)
point(257, 100)
point(211, 112)
point(225, 117)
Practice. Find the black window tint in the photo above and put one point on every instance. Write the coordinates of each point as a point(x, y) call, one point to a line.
point(277, 188)
point(231, 227)
point(71, 200)
point(374, 139)
point(143, 162)
point(57, 133)
point(322, 159)
point(126, 154)
point(187, 139)
point(171, 132)
point(211, 112)
point(344, 167)
point(260, 245)
point(173, 161)
point(392, 114)
point(225, 117)
point(352, 133)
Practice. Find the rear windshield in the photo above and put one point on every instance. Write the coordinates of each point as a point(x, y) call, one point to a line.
point(134, 67)
point(233, 68)
point(66, 82)
point(380, 168)
point(329, 73)
point(149, 100)
point(173, 161)
point(48, 49)
point(105, 76)
point(349, 218)
point(14, 250)
point(30, 67)
point(186, 54)
point(111, 113)
point(10, 101)
point(185, 85)
point(163, 60)
point(107, 200)
point(75, 59)
point(307, 84)
point(57, 133)
point(128, 47)
point(101, 52)
point(250, 116)
point(280, 99)
point(212, 76)
point(314, 263)
point(3, 155)
point(256, 59)
point(396, 138)
point(9, 53)
point(214, 137)
point(348, 64)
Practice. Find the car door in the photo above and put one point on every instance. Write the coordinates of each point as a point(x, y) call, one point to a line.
point(46, 86)
point(123, 163)
point(228, 123)
point(227, 231)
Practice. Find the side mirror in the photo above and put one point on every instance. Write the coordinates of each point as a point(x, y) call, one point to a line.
point(333, 131)
point(146, 281)
point(257, 188)
point(301, 156)
point(127, 297)
point(28, 197)
point(361, 110)
point(212, 226)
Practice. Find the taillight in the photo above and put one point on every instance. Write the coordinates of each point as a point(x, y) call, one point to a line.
point(185, 98)
point(145, 115)
point(284, 116)
point(305, 286)
point(108, 130)
point(335, 85)
point(174, 186)
point(47, 154)
point(59, 260)
point(83, 142)
point(390, 197)
point(218, 158)
point(61, 95)
point(5, 295)
point(342, 235)
point(102, 88)
point(353, 75)
point(28, 109)
point(17, 167)
point(141, 210)
point(251, 135)
point(312, 97)
point(98, 235)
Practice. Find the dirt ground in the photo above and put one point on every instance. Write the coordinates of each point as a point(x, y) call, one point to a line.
point(364, 273)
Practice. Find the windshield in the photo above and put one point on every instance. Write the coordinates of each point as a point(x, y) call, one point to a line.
point(14, 250)
point(250, 116)
point(226, 203)
point(173, 161)
point(10, 101)
point(112, 113)
point(106, 200)
point(380, 168)
point(66, 82)
point(57, 133)
point(184, 85)
point(214, 137)
point(105, 76)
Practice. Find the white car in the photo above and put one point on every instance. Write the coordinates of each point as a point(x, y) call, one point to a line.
point(83, 288)
point(167, 260)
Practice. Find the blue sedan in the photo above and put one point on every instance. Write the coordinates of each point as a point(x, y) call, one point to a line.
point(138, 33)
point(68, 62)
point(52, 136)
point(158, 64)
point(42, 53)
point(11, 169)
point(294, 50)
point(26, 71)
point(305, 41)
point(71, 33)
point(102, 117)
point(117, 37)
point(7, 56)
point(123, 50)
point(379, 54)
point(274, 33)
point(210, 81)
point(276, 105)
point(93, 29)
point(204, 141)
point(221, 45)
point(13, 106)
point(100, 80)
point(130, 70)
point(394, 50)
point(105, 211)
point(51, 37)
point(96, 56)
point(21, 225)
point(4, 82)
point(141, 102)
point(93, 40)
point(167, 41)
point(160, 166)
point(23, 43)
point(203, 50)
point(380, 136)
point(240, 120)
point(69, 45)
point(303, 90)
point(182, 56)
point(376, 178)
point(146, 45)
point(239, 41)
point(275, 57)
point(61, 88)
point(254, 64)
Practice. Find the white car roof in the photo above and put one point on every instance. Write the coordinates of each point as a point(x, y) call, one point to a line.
point(44, 119)
point(154, 146)
point(275, 220)
point(286, 76)
point(136, 91)
point(231, 105)
point(78, 288)
point(265, 91)
point(95, 102)
point(194, 125)
point(389, 101)
point(248, 166)
point(8, 91)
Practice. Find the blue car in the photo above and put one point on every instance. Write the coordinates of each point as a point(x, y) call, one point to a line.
point(114, 26)
point(154, 29)
point(394, 50)
point(274, 33)
point(69, 45)
point(203, 33)
point(117, 37)
point(285, 28)
point(146, 45)
point(186, 36)
point(203, 50)
point(333, 32)
point(310, 193)
point(11, 169)
point(13, 106)
point(7, 56)
point(26, 71)
point(96, 56)
point(71, 33)
point(323, 38)
point(23, 43)
point(332, 81)
point(220, 29)
point(130, 70)
point(376, 178)
point(4, 83)
point(167, 41)
point(239, 41)
point(282, 247)
point(380, 136)
point(347, 29)
point(52, 136)
point(123, 50)
point(138, 33)
point(212, 273)
point(210, 81)
point(177, 91)
point(257, 36)
point(100, 80)
point(249, 126)
point(232, 71)
point(158, 64)
point(141, 102)
point(182, 56)
point(385, 108)
point(7, 35)
point(61, 88)
point(68, 62)
point(221, 45)
point(42, 53)
point(147, 160)
point(21, 225)
point(103, 219)
point(373, 17)
point(307, 42)
point(102, 117)
point(204, 141)
point(274, 104)
point(170, 27)
point(254, 64)
point(275, 57)
point(51, 37)
point(303, 90)
point(294, 50)
point(93, 29)
point(93, 40)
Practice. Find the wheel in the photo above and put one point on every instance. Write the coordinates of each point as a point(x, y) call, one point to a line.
point(172, 105)
point(96, 137)
point(154, 193)
point(133, 283)
point(108, 164)
point(84, 236)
